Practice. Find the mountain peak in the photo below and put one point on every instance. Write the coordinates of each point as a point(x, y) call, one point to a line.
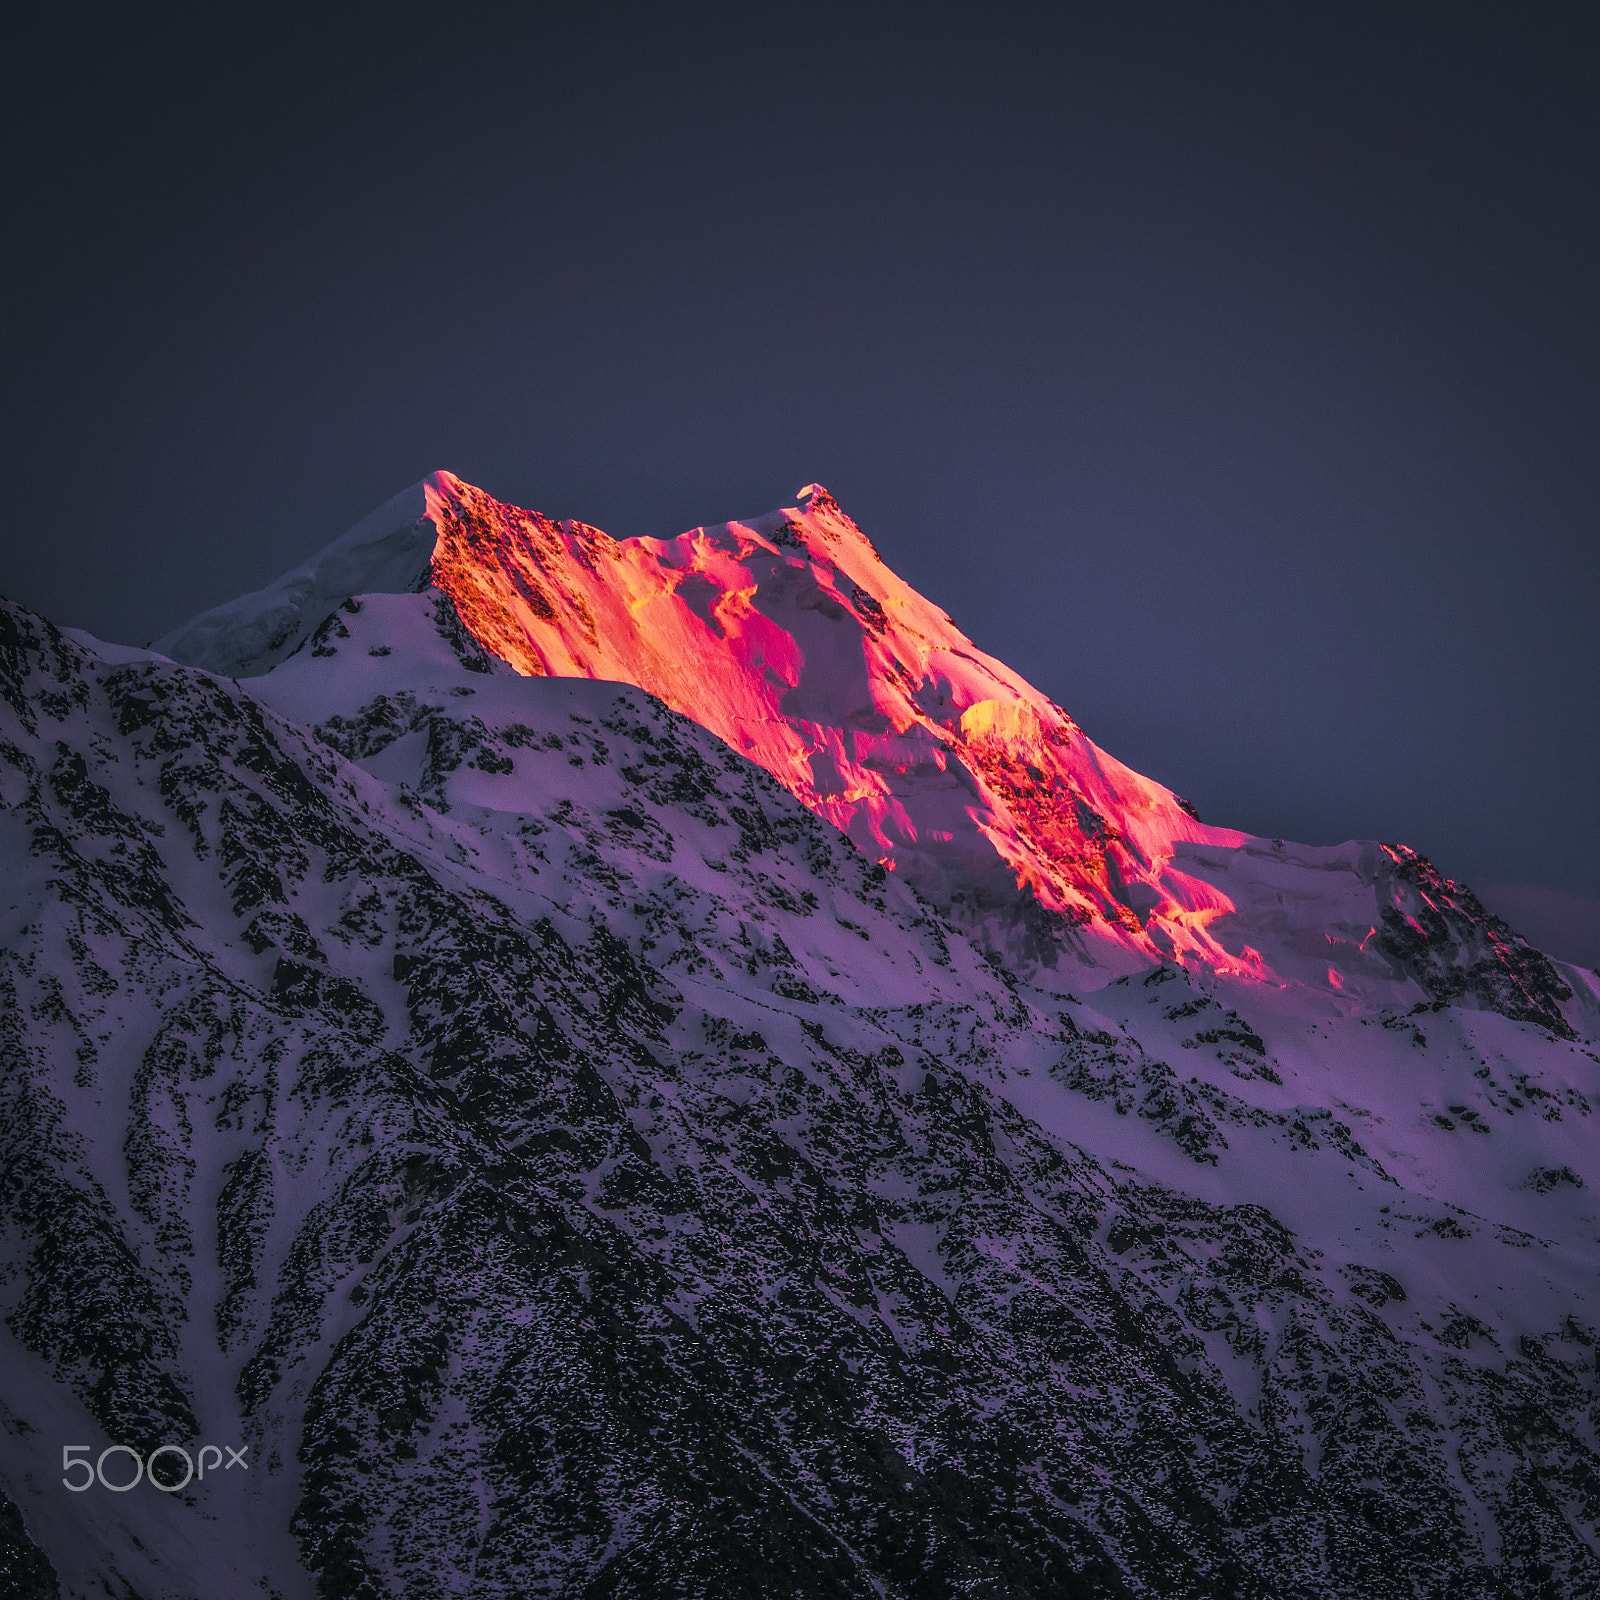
point(788, 637)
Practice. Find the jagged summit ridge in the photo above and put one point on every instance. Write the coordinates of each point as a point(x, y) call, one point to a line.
point(390, 550)
point(789, 638)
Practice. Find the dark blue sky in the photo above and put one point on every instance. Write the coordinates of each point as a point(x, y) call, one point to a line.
point(1230, 371)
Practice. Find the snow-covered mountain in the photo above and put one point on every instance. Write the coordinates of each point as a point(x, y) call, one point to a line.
point(789, 639)
point(656, 1067)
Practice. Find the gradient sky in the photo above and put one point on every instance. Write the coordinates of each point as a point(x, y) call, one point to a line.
point(1232, 372)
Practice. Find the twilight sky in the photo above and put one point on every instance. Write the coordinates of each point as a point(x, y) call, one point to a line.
point(1232, 372)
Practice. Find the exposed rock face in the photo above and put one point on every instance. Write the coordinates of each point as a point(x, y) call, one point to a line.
point(570, 1166)
point(25, 1573)
point(1439, 934)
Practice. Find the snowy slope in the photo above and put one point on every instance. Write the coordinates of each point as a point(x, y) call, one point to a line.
point(789, 639)
point(573, 1166)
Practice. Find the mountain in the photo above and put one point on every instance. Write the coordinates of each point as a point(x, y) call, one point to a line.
point(790, 640)
point(634, 1068)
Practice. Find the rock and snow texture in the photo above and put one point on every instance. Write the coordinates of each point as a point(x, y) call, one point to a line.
point(574, 1167)
point(788, 638)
